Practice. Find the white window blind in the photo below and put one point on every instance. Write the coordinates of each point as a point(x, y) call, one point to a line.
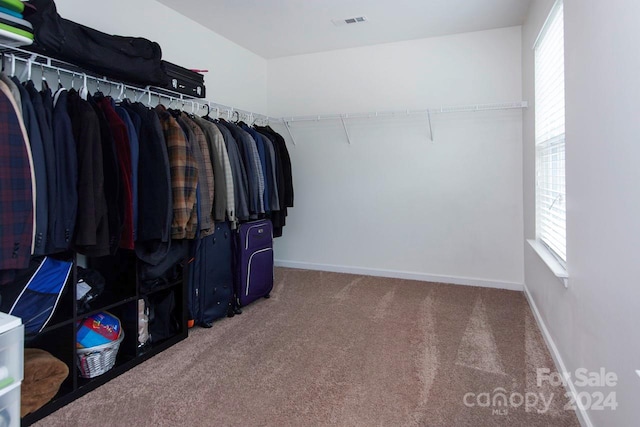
point(549, 129)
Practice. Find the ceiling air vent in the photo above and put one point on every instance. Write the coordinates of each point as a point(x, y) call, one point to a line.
point(354, 20)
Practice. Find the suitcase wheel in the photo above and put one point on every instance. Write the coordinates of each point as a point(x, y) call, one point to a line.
point(206, 324)
point(267, 296)
point(237, 310)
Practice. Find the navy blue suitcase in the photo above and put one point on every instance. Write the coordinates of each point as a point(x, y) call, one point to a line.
point(211, 276)
point(254, 261)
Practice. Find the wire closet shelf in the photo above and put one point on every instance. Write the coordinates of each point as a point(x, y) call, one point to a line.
point(31, 59)
point(428, 112)
point(12, 55)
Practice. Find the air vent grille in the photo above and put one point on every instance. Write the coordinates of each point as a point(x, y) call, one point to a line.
point(354, 20)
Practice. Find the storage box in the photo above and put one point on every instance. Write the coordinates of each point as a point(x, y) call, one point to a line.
point(185, 81)
point(10, 406)
point(11, 351)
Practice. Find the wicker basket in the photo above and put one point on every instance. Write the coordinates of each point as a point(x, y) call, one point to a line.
point(94, 361)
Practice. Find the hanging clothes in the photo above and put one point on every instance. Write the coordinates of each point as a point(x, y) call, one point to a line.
point(155, 204)
point(47, 102)
point(267, 157)
point(273, 169)
point(123, 153)
point(134, 148)
point(251, 161)
point(92, 226)
point(42, 231)
point(205, 173)
point(17, 190)
point(263, 164)
point(112, 182)
point(285, 192)
point(224, 198)
point(15, 92)
point(192, 146)
point(240, 180)
point(43, 118)
point(184, 176)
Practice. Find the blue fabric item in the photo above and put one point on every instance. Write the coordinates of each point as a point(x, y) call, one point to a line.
point(11, 12)
point(37, 302)
point(135, 159)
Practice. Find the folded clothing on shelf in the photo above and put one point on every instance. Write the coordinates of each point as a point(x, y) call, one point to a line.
point(14, 30)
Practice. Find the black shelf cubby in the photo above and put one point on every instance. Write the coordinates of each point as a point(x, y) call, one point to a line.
point(120, 298)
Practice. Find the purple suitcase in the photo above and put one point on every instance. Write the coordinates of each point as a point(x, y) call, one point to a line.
point(254, 261)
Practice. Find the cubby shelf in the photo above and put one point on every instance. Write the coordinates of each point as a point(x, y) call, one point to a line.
point(120, 298)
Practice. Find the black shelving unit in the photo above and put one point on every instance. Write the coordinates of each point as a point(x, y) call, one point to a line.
point(120, 298)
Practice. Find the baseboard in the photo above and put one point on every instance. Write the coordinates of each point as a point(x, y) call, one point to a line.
point(583, 417)
point(466, 281)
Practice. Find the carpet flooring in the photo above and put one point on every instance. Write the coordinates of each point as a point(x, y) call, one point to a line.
point(344, 350)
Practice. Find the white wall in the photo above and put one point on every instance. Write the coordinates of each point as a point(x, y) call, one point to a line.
point(594, 322)
point(392, 200)
point(236, 77)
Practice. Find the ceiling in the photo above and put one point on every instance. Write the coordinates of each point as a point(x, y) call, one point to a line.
point(275, 28)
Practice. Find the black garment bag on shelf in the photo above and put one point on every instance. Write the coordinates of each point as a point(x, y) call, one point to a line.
point(131, 59)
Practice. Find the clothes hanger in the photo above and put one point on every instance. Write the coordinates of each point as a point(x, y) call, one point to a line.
point(122, 96)
point(84, 92)
point(98, 93)
point(60, 88)
point(44, 85)
point(28, 70)
point(149, 97)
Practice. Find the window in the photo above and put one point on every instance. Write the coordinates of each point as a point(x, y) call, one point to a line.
point(549, 135)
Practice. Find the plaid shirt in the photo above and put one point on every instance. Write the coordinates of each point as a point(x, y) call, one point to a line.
point(206, 211)
point(17, 187)
point(184, 176)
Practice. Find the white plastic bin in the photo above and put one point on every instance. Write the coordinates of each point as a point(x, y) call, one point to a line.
point(11, 352)
point(10, 406)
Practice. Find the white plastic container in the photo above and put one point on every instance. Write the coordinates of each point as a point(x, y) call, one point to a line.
point(11, 352)
point(10, 406)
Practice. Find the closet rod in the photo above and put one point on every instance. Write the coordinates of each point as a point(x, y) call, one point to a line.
point(32, 59)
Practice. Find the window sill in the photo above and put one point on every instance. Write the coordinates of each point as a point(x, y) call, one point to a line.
point(556, 268)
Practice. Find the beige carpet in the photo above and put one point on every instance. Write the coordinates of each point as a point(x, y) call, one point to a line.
point(344, 350)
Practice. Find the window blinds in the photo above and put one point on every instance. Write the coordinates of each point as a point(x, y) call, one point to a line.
point(550, 135)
